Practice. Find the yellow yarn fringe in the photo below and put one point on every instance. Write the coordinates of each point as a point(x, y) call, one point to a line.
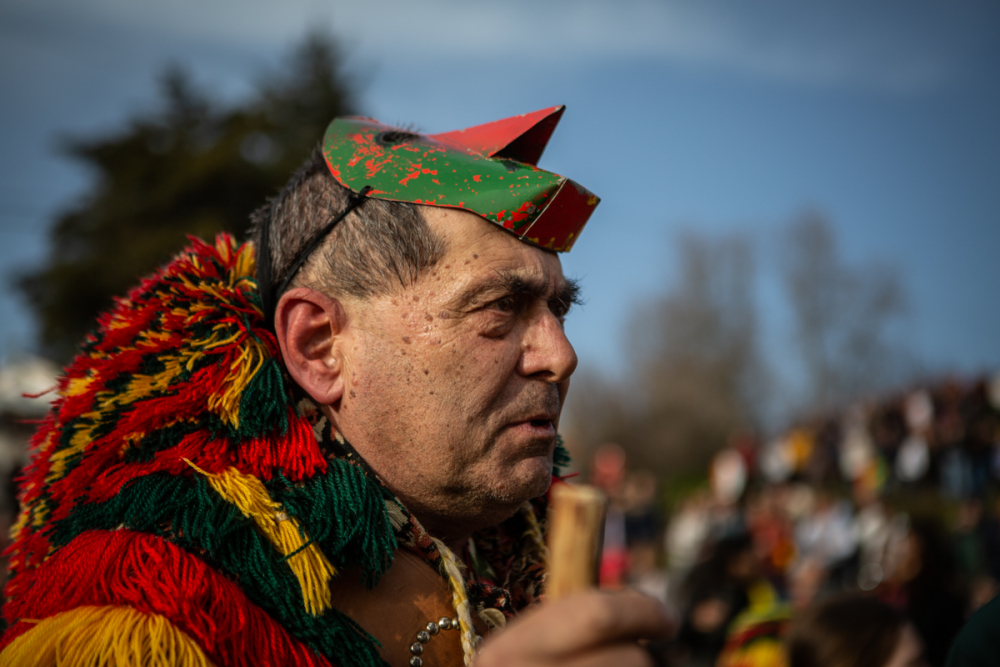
point(246, 261)
point(89, 636)
point(310, 567)
point(460, 599)
point(241, 371)
point(226, 404)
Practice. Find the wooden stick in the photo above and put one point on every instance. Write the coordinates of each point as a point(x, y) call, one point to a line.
point(576, 521)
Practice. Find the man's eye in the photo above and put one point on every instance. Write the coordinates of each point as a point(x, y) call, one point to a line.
point(560, 308)
point(506, 304)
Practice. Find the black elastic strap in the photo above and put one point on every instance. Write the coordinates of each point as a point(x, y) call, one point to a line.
point(268, 294)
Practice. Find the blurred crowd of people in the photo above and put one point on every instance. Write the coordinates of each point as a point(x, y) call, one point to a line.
point(888, 512)
point(940, 435)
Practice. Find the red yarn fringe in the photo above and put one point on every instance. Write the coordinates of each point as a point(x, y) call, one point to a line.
point(296, 455)
point(167, 302)
point(153, 576)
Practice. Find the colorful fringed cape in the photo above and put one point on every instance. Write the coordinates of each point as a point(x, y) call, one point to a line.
point(183, 505)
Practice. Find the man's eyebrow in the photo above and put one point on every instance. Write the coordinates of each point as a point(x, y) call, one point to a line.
point(512, 283)
point(568, 294)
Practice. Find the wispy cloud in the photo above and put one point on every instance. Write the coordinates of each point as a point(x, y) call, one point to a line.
point(896, 47)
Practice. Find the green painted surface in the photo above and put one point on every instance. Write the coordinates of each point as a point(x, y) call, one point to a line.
point(420, 169)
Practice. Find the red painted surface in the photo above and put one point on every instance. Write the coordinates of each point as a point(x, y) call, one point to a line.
point(522, 138)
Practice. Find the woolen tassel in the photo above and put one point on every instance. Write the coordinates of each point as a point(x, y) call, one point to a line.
point(203, 522)
point(263, 399)
point(153, 576)
point(183, 369)
point(359, 533)
point(311, 568)
point(295, 455)
point(560, 457)
point(242, 369)
point(245, 265)
point(88, 636)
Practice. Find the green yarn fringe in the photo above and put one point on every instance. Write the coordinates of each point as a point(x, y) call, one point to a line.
point(331, 508)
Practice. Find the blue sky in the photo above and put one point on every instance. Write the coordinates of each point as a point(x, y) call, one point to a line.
point(711, 116)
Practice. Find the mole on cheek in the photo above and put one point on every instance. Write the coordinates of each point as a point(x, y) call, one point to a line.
point(407, 340)
point(428, 317)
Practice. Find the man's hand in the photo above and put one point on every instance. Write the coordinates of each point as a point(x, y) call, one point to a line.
point(588, 629)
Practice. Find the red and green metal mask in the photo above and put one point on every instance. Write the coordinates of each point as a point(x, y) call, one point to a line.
point(488, 170)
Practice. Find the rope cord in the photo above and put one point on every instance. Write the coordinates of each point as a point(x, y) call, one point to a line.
point(460, 599)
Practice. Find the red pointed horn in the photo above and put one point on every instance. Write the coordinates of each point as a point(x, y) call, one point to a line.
point(522, 138)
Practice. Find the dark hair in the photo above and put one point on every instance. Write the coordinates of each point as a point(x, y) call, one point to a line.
point(846, 630)
point(380, 247)
point(712, 573)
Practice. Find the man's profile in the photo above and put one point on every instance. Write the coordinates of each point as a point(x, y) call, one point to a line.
point(335, 451)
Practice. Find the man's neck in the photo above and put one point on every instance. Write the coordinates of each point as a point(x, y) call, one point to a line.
point(448, 530)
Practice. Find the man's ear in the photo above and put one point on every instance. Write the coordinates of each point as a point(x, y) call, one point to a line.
point(309, 326)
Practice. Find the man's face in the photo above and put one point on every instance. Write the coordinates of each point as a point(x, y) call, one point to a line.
point(453, 387)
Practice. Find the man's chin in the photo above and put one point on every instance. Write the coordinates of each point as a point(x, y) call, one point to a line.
point(534, 476)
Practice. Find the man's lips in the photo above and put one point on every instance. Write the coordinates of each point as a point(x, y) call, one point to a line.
point(541, 424)
point(535, 413)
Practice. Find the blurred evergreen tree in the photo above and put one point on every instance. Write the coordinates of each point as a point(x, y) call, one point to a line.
point(188, 167)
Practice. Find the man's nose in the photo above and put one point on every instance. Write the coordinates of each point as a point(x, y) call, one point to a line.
point(545, 350)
